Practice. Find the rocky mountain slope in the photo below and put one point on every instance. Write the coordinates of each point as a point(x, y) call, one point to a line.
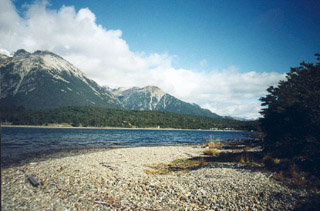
point(43, 79)
point(154, 99)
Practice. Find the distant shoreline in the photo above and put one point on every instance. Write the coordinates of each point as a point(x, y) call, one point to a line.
point(112, 128)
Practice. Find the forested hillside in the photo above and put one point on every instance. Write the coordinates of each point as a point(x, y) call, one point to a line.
point(104, 117)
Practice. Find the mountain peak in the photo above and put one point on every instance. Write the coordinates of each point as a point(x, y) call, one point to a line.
point(21, 53)
point(150, 87)
point(154, 89)
point(43, 61)
point(44, 53)
point(24, 53)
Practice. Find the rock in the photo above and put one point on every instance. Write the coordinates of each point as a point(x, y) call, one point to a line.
point(33, 181)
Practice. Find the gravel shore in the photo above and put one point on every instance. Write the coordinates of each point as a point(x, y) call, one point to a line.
point(117, 180)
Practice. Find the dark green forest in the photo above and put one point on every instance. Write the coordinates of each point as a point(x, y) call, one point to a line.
point(104, 117)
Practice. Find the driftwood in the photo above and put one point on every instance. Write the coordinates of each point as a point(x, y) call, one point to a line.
point(107, 166)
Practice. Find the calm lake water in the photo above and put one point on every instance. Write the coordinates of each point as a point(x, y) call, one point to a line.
point(19, 143)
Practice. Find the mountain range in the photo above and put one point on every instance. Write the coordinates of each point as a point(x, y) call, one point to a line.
point(42, 80)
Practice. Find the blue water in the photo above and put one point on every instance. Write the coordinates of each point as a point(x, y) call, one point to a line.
point(20, 143)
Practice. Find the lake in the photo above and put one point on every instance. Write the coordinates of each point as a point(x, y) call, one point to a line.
point(20, 143)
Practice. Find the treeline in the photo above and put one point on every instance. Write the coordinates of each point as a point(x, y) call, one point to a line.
point(104, 117)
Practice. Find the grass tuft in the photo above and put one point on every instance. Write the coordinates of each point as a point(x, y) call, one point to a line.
point(213, 147)
point(211, 152)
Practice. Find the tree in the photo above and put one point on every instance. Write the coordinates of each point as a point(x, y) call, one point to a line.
point(291, 117)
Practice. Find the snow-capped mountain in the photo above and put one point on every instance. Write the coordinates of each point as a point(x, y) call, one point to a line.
point(154, 99)
point(45, 80)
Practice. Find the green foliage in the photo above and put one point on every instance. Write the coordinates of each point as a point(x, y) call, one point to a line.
point(103, 117)
point(291, 117)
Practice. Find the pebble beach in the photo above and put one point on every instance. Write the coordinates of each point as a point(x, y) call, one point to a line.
point(117, 179)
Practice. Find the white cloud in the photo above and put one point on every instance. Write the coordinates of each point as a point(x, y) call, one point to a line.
point(106, 58)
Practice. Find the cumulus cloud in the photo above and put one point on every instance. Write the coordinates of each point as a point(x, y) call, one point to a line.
point(105, 57)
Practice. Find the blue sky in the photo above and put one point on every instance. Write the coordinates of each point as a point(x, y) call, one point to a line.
point(222, 55)
point(252, 35)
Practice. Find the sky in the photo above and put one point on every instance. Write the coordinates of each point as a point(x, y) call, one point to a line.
point(222, 55)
